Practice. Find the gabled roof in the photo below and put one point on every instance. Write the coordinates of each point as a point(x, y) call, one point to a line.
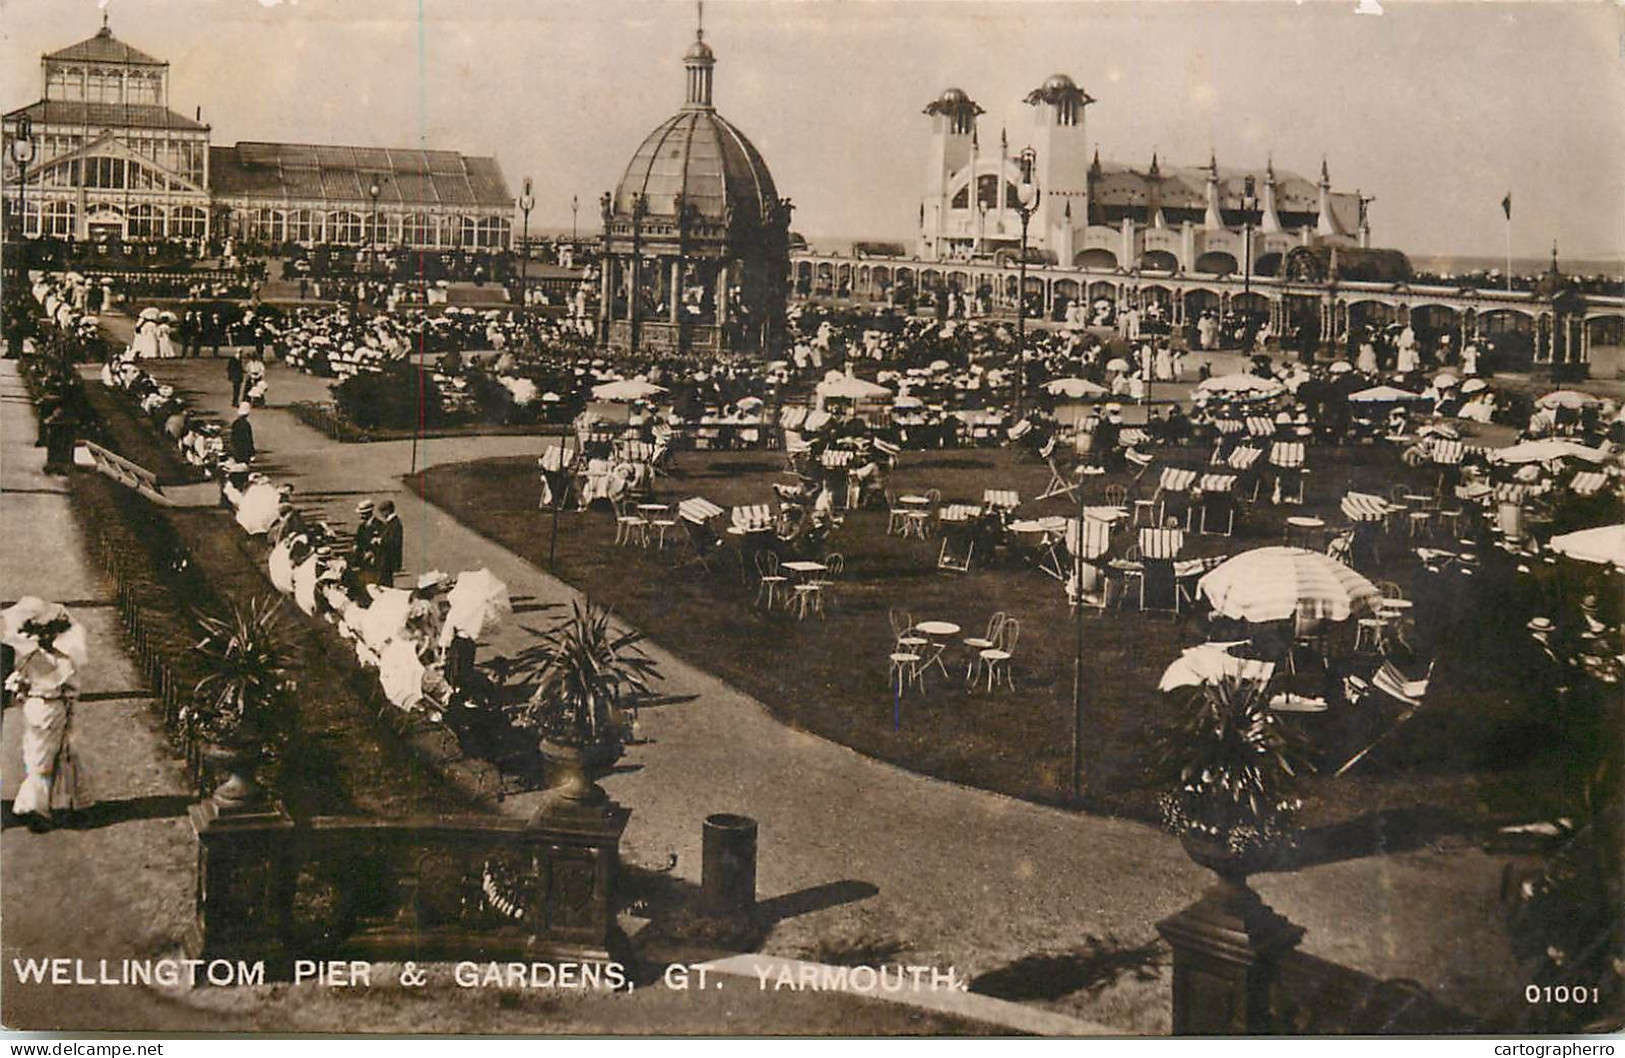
point(104, 47)
point(337, 173)
point(105, 115)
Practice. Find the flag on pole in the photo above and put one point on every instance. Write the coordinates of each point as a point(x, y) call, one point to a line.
point(1506, 205)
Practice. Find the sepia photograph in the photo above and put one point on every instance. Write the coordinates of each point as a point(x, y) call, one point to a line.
point(907, 518)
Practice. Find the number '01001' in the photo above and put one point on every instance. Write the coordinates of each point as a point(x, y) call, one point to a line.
point(1560, 994)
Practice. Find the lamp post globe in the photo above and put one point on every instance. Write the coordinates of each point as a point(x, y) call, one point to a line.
point(22, 153)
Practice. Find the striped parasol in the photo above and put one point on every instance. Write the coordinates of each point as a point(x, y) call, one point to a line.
point(1277, 583)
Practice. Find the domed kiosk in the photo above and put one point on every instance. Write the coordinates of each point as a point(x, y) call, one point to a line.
point(696, 237)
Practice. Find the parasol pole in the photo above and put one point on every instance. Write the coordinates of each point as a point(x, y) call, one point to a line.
point(1077, 655)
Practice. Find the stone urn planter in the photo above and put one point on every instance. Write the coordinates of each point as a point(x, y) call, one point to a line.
point(239, 760)
point(573, 771)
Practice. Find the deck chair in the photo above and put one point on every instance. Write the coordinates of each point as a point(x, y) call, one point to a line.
point(1391, 682)
point(694, 515)
point(1000, 499)
point(1175, 481)
point(1092, 544)
point(958, 547)
point(1059, 482)
point(1244, 461)
point(1218, 500)
point(1287, 457)
point(753, 517)
point(797, 450)
point(1159, 587)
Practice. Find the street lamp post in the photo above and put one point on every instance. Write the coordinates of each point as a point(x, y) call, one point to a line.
point(373, 190)
point(22, 152)
point(527, 202)
point(981, 229)
point(1249, 202)
point(1028, 195)
point(575, 205)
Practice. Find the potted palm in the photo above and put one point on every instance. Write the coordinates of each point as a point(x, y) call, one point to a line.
point(1234, 774)
point(590, 674)
point(240, 708)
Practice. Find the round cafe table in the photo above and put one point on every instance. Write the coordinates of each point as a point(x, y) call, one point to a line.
point(1304, 531)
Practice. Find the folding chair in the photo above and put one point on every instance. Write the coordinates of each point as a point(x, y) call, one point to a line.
point(950, 556)
point(1217, 497)
point(1175, 481)
point(1002, 500)
point(1393, 683)
point(1159, 587)
point(1288, 459)
point(1243, 461)
point(694, 515)
point(1059, 484)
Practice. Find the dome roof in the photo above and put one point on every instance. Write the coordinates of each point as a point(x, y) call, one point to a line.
point(699, 50)
point(954, 97)
point(1059, 81)
point(699, 154)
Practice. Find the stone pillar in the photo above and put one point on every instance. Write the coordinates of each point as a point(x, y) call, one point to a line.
point(1227, 948)
point(676, 290)
point(242, 892)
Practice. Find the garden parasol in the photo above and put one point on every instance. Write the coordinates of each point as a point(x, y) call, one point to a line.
point(478, 601)
point(1277, 583)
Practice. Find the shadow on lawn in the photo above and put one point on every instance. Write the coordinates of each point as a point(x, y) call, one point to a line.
point(1098, 964)
point(677, 916)
point(1377, 833)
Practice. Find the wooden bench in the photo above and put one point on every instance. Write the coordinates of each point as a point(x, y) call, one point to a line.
point(126, 473)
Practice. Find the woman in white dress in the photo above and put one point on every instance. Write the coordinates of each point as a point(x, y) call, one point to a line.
point(166, 348)
point(1164, 366)
point(145, 341)
point(50, 651)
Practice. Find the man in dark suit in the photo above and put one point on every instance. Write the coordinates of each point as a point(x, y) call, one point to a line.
point(241, 442)
point(389, 542)
point(234, 375)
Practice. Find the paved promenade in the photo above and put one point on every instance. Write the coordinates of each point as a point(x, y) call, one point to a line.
point(959, 875)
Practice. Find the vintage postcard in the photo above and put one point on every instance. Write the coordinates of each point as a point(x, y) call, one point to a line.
point(641, 518)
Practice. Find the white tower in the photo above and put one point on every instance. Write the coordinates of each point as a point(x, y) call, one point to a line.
point(1063, 160)
point(953, 149)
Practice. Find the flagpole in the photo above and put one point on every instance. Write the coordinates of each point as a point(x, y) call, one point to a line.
point(1509, 248)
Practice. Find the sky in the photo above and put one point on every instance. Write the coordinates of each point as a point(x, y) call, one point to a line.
point(1437, 110)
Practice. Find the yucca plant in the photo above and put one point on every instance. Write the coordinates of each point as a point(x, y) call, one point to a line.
point(589, 674)
point(244, 696)
point(1234, 772)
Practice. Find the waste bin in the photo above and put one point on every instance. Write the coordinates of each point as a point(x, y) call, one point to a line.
point(728, 866)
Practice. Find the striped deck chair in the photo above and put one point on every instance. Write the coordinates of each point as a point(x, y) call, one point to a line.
point(1174, 482)
point(1133, 437)
point(1588, 483)
point(836, 459)
point(1095, 540)
point(1389, 681)
point(1287, 457)
point(1000, 499)
point(888, 451)
point(1226, 427)
point(815, 421)
point(754, 517)
point(792, 418)
point(1159, 585)
point(1244, 461)
point(663, 456)
point(694, 515)
point(1218, 499)
point(1260, 426)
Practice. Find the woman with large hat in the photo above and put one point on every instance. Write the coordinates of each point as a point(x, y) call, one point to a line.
point(50, 650)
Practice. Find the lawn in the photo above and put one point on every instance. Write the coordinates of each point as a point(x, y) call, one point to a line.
point(1472, 757)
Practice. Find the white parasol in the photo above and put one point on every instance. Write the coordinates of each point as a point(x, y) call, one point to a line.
point(1212, 663)
point(627, 390)
point(1545, 449)
point(1473, 385)
point(1117, 363)
point(1076, 388)
point(1604, 544)
point(1567, 398)
point(1444, 380)
point(401, 673)
point(1384, 395)
point(1277, 583)
point(477, 601)
point(1340, 367)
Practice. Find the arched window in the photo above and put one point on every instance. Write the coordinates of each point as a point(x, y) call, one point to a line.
point(188, 222)
point(59, 218)
point(146, 221)
point(344, 227)
point(304, 226)
point(962, 198)
point(468, 232)
point(418, 229)
point(493, 233)
point(270, 225)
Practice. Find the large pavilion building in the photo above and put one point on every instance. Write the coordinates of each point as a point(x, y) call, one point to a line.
point(1191, 219)
point(696, 237)
point(113, 160)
